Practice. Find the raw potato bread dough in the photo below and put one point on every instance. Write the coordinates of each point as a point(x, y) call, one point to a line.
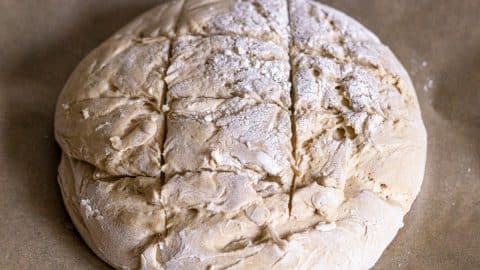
point(225, 134)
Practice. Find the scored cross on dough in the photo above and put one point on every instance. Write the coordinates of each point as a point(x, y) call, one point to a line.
point(256, 134)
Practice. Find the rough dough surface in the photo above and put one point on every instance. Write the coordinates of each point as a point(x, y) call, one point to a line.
point(227, 134)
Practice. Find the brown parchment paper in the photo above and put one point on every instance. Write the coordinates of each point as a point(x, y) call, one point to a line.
point(41, 42)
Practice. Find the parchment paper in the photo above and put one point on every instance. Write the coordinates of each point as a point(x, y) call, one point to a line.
point(41, 42)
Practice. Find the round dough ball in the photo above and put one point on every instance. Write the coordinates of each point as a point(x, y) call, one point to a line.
point(225, 134)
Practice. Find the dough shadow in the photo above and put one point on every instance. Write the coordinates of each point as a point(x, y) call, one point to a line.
point(28, 134)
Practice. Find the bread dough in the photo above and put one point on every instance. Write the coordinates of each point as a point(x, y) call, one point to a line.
point(225, 134)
